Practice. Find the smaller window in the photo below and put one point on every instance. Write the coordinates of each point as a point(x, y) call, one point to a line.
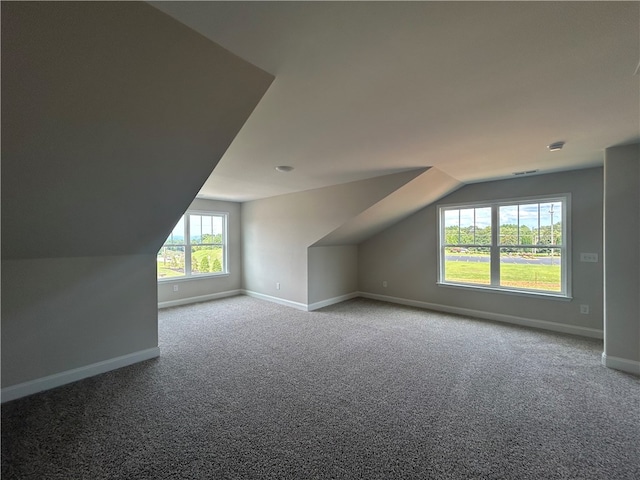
point(197, 246)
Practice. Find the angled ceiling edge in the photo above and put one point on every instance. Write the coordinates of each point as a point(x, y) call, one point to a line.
point(416, 194)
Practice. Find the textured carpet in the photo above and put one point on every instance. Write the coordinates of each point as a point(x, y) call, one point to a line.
point(246, 389)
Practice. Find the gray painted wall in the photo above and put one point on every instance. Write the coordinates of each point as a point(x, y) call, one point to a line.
point(113, 116)
point(64, 313)
point(197, 287)
point(277, 231)
point(405, 255)
point(116, 102)
point(622, 250)
point(333, 272)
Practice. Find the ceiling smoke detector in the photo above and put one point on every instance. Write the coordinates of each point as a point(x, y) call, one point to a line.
point(284, 168)
point(555, 146)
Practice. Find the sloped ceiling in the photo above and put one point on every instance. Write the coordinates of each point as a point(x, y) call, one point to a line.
point(113, 116)
point(426, 188)
point(475, 89)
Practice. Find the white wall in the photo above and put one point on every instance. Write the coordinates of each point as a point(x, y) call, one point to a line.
point(113, 116)
point(210, 287)
point(622, 260)
point(59, 314)
point(112, 125)
point(333, 274)
point(406, 255)
point(277, 231)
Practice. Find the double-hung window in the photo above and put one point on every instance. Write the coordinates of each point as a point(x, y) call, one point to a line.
point(197, 246)
point(510, 245)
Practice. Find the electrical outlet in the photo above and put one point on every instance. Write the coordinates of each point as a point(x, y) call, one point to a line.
point(277, 285)
point(384, 284)
point(584, 309)
point(589, 257)
point(176, 288)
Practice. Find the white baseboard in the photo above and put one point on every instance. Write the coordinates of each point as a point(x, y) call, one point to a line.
point(198, 299)
point(281, 301)
point(332, 301)
point(58, 379)
point(522, 321)
point(622, 364)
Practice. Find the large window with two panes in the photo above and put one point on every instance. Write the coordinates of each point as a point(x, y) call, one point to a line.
point(511, 245)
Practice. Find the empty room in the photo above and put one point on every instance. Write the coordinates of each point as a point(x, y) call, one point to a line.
point(312, 240)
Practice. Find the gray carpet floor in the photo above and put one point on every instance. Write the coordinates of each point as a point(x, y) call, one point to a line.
point(246, 389)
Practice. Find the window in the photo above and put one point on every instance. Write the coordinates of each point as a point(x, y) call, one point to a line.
point(197, 246)
point(516, 245)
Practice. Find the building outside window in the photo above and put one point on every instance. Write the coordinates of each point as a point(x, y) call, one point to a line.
point(196, 247)
point(511, 245)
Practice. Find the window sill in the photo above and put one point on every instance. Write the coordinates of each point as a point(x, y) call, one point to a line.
point(522, 293)
point(189, 278)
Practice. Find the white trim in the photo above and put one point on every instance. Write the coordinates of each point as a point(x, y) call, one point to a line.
point(499, 317)
point(622, 364)
point(192, 278)
point(188, 274)
point(281, 301)
point(332, 301)
point(506, 201)
point(198, 299)
point(507, 291)
point(58, 379)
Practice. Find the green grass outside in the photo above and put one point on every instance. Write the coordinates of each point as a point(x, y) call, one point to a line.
point(212, 254)
point(164, 272)
point(538, 277)
point(468, 272)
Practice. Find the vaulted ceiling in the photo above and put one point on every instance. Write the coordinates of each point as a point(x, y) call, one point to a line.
point(477, 90)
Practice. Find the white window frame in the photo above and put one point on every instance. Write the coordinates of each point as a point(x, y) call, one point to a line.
point(189, 275)
point(495, 246)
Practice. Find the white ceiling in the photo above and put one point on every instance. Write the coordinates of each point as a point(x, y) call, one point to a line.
point(475, 89)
